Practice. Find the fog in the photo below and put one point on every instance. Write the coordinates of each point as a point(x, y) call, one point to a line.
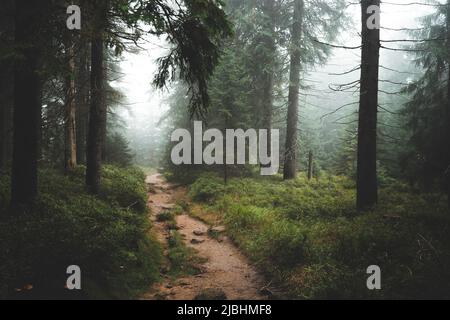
point(145, 105)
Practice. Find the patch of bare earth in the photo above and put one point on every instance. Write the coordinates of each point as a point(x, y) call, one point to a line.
point(226, 272)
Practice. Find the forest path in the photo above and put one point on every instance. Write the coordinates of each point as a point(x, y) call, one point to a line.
point(226, 271)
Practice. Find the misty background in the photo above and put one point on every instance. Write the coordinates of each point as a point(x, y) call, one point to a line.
point(325, 109)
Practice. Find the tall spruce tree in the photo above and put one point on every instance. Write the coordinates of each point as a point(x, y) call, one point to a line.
point(428, 111)
point(30, 38)
point(366, 180)
point(290, 156)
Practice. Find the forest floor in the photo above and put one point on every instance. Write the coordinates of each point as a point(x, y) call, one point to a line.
point(222, 271)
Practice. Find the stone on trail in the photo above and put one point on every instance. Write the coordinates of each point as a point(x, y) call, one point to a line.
point(167, 206)
point(217, 229)
point(198, 232)
point(197, 241)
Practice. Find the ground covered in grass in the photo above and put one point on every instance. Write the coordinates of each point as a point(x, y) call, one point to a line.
point(181, 259)
point(307, 236)
point(107, 236)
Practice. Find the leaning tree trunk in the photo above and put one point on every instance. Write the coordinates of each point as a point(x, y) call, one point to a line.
point(70, 125)
point(97, 112)
point(290, 156)
point(27, 100)
point(367, 193)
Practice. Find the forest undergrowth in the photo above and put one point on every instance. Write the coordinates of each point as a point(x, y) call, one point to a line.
point(107, 236)
point(308, 237)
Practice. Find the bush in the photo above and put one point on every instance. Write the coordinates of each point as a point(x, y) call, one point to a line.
point(165, 216)
point(103, 235)
point(206, 189)
point(125, 187)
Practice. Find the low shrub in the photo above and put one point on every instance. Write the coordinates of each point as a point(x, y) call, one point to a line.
point(106, 236)
point(165, 216)
point(308, 235)
point(207, 188)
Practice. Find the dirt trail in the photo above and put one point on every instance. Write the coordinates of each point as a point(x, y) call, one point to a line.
point(225, 268)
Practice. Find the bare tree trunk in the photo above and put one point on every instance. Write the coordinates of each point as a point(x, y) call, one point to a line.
point(104, 127)
point(97, 113)
point(310, 165)
point(447, 171)
point(27, 101)
point(268, 74)
point(6, 101)
point(367, 190)
point(3, 134)
point(290, 156)
point(6, 85)
point(70, 135)
point(82, 102)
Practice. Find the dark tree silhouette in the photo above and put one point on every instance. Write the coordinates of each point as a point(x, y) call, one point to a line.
point(367, 193)
point(29, 36)
point(97, 113)
point(6, 84)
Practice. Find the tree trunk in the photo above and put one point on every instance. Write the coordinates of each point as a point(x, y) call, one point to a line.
point(6, 101)
point(104, 128)
point(6, 85)
point(310, 165)
point(82, 102)
point(290, 156)
point(3, 132)
point(367, 193)
point(70, 135)
point(268, 73)
point(97, 112)
point(447, 171)
point(27, 101)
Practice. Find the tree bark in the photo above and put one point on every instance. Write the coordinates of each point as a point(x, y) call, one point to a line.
point(97, 112)
point(6, 101)
point(290, 156)
point(268, 73)
point(447, 171)
point(27, 101)
point(6, 85)
point(82, 102)
point(367, 190)
point(3, 132)
point(70, 134)
point(310, 165)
